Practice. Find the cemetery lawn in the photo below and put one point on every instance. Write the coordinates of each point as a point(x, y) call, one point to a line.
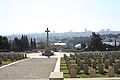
point(6, 62)
point(9, 61)
point(64, 69)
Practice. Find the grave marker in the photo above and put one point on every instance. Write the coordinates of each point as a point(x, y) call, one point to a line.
point(92, 72)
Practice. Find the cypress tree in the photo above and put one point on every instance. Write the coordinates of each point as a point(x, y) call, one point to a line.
point(31, 44)
point(34, 43)
point(21, 44)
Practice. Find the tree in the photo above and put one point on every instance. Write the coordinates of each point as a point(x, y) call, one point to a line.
point(4, 44)
point(20, 44)
point(83, 45)
point(33, 44)
point(24, 43)
point(95, 42)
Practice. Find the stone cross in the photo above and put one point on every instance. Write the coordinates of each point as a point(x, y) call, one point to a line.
point(47, 36)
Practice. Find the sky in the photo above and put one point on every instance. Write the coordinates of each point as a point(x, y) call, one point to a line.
point(34, 16)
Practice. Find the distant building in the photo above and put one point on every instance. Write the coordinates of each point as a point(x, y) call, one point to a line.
point(59, 43)
point(78, 46)
point(111, 41)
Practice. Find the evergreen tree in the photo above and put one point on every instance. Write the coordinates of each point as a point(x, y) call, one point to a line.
point(96, 42)
point(4, 44)
point(26, 42)
point(0, 42)
point(34, 43)
point(20, 44)
point(31, 44)
point(15, 46)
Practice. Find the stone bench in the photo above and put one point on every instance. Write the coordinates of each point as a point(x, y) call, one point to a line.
point(56, 76)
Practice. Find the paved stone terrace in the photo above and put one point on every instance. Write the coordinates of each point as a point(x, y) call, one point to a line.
point(39, 68)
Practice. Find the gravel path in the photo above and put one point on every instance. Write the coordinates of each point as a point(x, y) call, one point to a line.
point(39, 68)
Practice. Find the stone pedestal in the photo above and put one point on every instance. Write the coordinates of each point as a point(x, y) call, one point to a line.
point(47, 52)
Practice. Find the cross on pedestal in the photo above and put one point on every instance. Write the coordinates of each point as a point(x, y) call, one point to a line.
point(47, 37)
point(47, 51)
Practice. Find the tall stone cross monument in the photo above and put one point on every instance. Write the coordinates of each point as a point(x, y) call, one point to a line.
point(47, 37)
point(47, 51)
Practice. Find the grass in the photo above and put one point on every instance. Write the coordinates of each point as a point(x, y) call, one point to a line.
point(63, 68)
point(83, 76)
point(72, 61)
point(117, 75)
point(66, 71)
point(66, 76)
point(101, 75)
point(8, 62)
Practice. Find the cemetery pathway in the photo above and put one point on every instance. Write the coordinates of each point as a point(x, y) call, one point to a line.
point(38, 68)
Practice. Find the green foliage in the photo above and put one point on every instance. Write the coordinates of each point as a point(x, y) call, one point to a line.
point(95, 42)
point(20, 44)
point(33, 44)
point(83, 45)
point(4, 44)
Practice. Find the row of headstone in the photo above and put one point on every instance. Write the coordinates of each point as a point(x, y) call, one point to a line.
point(12, 56)
point(91, 72)
point(98, 61)
point(104, 55)
point(101, 60)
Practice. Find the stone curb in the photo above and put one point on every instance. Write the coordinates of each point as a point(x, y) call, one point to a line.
point(57, 66)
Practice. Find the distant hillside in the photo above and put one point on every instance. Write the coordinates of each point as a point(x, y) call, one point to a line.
point(58, 36)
